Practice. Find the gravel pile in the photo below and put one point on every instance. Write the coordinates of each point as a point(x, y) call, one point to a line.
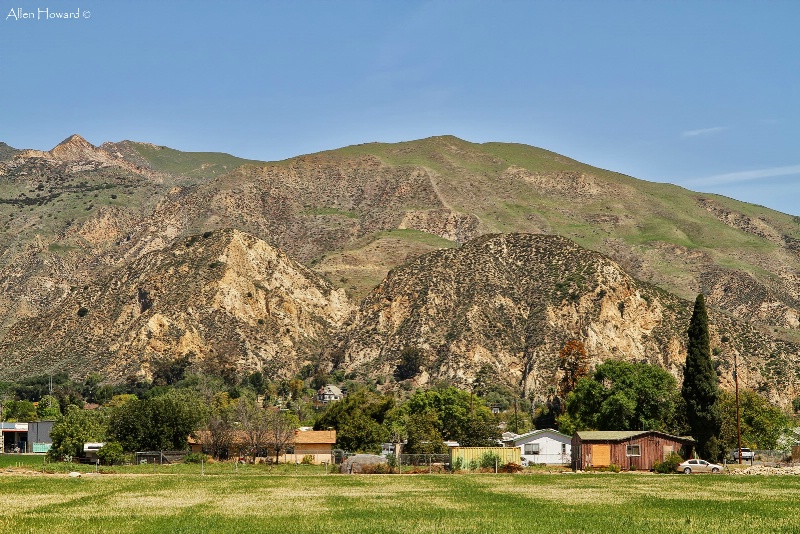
point(767, 471)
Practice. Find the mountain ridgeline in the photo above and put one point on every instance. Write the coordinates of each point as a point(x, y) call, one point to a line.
point(484, 257)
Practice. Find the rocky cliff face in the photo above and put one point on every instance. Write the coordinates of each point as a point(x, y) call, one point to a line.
point(225, 299)
point(510, 302)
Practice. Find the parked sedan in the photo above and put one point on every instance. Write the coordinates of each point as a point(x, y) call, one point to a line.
point(699, 466)
point(747, 454)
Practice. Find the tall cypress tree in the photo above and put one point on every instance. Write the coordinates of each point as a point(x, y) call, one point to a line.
point(700, 389)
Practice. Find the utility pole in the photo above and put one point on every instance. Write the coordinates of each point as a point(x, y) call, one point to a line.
point(738, 421)
point(516, 420)
point(3, 398)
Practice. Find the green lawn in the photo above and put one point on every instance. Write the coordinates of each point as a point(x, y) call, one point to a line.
point(250, 502)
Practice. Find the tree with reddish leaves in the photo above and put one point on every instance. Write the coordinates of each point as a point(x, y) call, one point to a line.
point(574, 362)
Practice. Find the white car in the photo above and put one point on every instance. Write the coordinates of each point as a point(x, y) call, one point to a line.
point(747, 454)
point(698, 466)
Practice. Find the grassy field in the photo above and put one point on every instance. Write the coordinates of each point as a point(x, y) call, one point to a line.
point(253, 501)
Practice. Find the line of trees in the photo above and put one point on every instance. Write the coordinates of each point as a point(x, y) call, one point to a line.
point(365, 419)
point(165, 422)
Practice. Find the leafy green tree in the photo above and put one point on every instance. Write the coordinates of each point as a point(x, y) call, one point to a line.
point(111, 453)
point(76, 427)
point(36, 387)
point(6, 396)
point(423, 434)
point(358, 419)
point(257, 382)
point(134, 385)
point(460, 416)
point(105, 392)
point(160, 423)
point(90, 386)
point(48, 408)
point(118, 400)
point(22, 410)
point(762, 423)
point(296, 388)
point(169, 371)
point(481, 430)
point(700, 385)
point(624, 396)
point(68, 394)
point(361, 433)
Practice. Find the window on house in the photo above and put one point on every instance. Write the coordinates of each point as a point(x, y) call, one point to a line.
point(563, 448)
point(531, 448)
point(633, 450)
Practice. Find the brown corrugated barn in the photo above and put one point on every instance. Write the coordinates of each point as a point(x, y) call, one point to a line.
point(626, 449)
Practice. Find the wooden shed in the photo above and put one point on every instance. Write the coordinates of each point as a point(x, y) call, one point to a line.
point(626, 449)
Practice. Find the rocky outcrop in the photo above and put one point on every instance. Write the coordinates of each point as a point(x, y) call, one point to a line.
point(224, 299)
point(80, 154)
point(510, 302)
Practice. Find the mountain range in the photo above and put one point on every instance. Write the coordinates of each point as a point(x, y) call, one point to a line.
point(485, 257)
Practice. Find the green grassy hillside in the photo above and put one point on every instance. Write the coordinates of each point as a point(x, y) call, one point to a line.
point(191, 164)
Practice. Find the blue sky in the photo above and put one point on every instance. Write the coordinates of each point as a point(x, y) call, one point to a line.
point(705, 95)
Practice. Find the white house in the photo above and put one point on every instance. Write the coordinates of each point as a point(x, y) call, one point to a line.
point(329, 393)
point(546, 446)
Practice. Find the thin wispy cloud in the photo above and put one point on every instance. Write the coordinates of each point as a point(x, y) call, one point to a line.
point(748, 176)
point(703, 131)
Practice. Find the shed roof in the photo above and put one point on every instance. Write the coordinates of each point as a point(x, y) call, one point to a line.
point(315, 437)
point(622, 435)
point(541, 431)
